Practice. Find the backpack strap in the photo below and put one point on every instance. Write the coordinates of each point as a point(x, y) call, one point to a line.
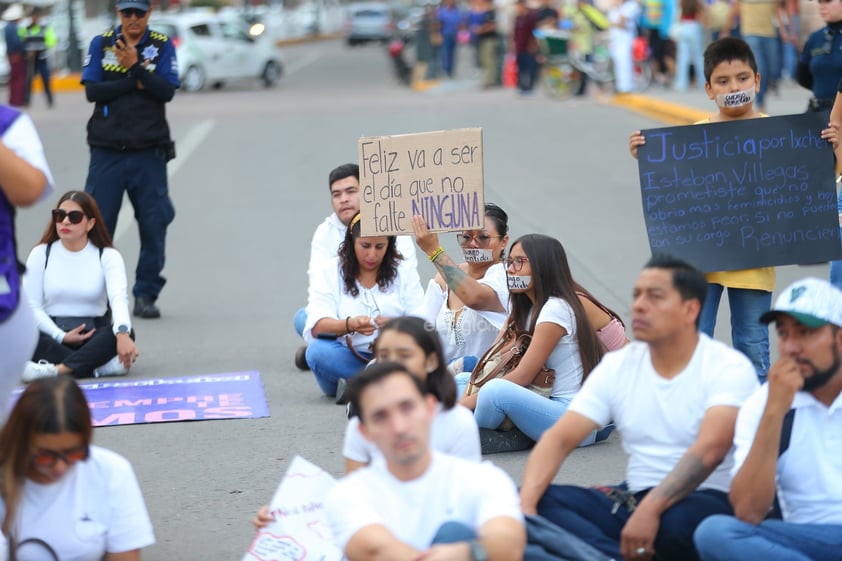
point(786, 432)
point(50, 247)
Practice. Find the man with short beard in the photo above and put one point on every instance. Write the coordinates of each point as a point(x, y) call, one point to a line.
point(789, 440)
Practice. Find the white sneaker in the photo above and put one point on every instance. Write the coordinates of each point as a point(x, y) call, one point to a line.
point(40, 369)
point(111, 368)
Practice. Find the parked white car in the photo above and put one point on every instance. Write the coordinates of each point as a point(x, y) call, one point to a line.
point(213, 50)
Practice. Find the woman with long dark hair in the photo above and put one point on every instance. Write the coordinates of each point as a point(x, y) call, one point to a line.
point(547, 303)
point(62, 497)
point(350, 299)
point(76, 285)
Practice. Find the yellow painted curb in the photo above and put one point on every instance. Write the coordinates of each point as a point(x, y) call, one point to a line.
point(65, 83)
point(424, 85)
point(670, 113)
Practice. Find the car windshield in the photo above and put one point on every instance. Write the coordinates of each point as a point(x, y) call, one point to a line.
point(370, 14)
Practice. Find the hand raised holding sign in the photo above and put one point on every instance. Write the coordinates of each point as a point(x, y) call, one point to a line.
point(426, 240)
point(635, 140)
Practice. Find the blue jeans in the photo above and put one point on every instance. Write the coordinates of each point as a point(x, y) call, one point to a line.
point(689, 50)
point(454, 532)
point(331, 360)
point(300, 320)
point(791, 51)
point(598, 520)
point(748, 335)
point(531, 413)
point(143, 175)
point(766, 52)
point(725, 538)
point(527, 71)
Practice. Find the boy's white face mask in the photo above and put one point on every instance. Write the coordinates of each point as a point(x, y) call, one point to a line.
point(735, 99)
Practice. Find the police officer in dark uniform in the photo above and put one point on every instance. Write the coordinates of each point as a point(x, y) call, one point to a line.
point(820, 66)
point(130, 73)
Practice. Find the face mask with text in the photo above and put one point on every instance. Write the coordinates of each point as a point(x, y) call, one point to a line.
point(477, 255)
point(519, 282)
point(735, 99)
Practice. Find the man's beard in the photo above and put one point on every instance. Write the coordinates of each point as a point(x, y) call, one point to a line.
point(822, 377)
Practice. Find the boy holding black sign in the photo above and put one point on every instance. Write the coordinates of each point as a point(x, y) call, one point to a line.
point(732, 81)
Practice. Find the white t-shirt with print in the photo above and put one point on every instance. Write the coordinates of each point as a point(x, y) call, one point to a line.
point(96, 507)
point(451, 490)
point(453, 432)
point(659, 419)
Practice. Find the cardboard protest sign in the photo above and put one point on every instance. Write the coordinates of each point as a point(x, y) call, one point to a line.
point(741, 194)
point(437, 175)
point(300, 531)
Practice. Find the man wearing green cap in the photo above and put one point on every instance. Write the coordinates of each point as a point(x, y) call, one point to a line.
point(788, 442)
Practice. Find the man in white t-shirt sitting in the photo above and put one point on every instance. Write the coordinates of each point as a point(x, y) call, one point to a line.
point(789, 440)
point(415, 503)
point(674, 395)
point(344, 184)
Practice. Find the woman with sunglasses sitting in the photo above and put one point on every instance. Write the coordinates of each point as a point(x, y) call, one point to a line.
point(349, 299)
point(548, 304)
point(61, 496)
point(76, 285)
point(468, 302)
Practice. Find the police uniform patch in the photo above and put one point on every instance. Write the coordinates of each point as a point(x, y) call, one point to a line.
point(150, 52)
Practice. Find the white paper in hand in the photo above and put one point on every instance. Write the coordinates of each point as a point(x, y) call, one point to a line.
point(300, 531)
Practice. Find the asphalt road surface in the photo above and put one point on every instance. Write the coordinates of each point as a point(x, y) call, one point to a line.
point(250, 186)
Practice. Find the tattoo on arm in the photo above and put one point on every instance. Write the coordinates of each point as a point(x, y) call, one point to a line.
point(685, 477)
point(453, 275)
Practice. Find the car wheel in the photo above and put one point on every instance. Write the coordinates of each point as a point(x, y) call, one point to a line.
point(194, 79)
point(271, 73)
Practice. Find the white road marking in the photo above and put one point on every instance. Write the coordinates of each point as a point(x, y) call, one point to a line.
point(184, 148)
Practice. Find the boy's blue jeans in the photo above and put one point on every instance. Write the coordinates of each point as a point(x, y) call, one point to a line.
point(725, 538)
point(748, 335)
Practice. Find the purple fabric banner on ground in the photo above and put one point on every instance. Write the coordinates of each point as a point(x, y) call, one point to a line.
point(237, 395)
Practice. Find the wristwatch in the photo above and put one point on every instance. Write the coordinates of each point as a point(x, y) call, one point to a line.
point(478, 552)
point(122, 328)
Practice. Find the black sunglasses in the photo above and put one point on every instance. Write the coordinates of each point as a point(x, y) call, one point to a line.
point(136, 12)
point(75, 216)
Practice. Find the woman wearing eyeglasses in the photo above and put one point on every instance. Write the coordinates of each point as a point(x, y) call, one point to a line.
point(349, 299)
point(61, 496)
point(556, 311)
point(467, 302)
point(76, 285)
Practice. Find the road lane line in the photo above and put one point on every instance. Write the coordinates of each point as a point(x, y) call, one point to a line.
point(184, 148)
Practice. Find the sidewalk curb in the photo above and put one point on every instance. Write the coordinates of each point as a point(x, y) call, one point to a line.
point(71, 82)
point(670, 113)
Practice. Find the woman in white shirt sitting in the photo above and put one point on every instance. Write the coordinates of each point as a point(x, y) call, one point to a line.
point(62, 497)
point(468, 303)
point(76, 285)
point(545, 302)
point(349, 299)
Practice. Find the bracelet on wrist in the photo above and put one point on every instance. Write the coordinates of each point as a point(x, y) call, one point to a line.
point(348, 325)
point(436, 254)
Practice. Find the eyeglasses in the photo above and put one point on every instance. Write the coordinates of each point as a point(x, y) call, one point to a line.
point(49, 458)
point(482, 240)
point(515, 263)
point(129, 12)
point(75, 216)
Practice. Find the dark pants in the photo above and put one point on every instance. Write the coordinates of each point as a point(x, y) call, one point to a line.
point(448, 54)
point(590, 514)
point(527, 71)
point(96, 351)
point(38, 67)
point(17, 80)
point(143, 175)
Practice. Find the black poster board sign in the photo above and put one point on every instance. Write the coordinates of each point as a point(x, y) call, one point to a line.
point(741, 194)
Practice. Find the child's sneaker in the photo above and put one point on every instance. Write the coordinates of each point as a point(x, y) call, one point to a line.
point(111, 368)
point(40, 369)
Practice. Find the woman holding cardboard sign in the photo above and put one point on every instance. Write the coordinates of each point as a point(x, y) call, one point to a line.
point(556, 312)
point(349, 299)
point(468, 303)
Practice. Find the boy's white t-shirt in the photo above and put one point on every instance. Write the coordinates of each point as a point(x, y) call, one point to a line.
point(659, 419)
point(453, 432)
point(97, 507)
point(451, 490)
point(565, 358)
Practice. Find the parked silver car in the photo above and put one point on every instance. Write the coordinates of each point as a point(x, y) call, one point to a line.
point(369, 21)
point(213, 50)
